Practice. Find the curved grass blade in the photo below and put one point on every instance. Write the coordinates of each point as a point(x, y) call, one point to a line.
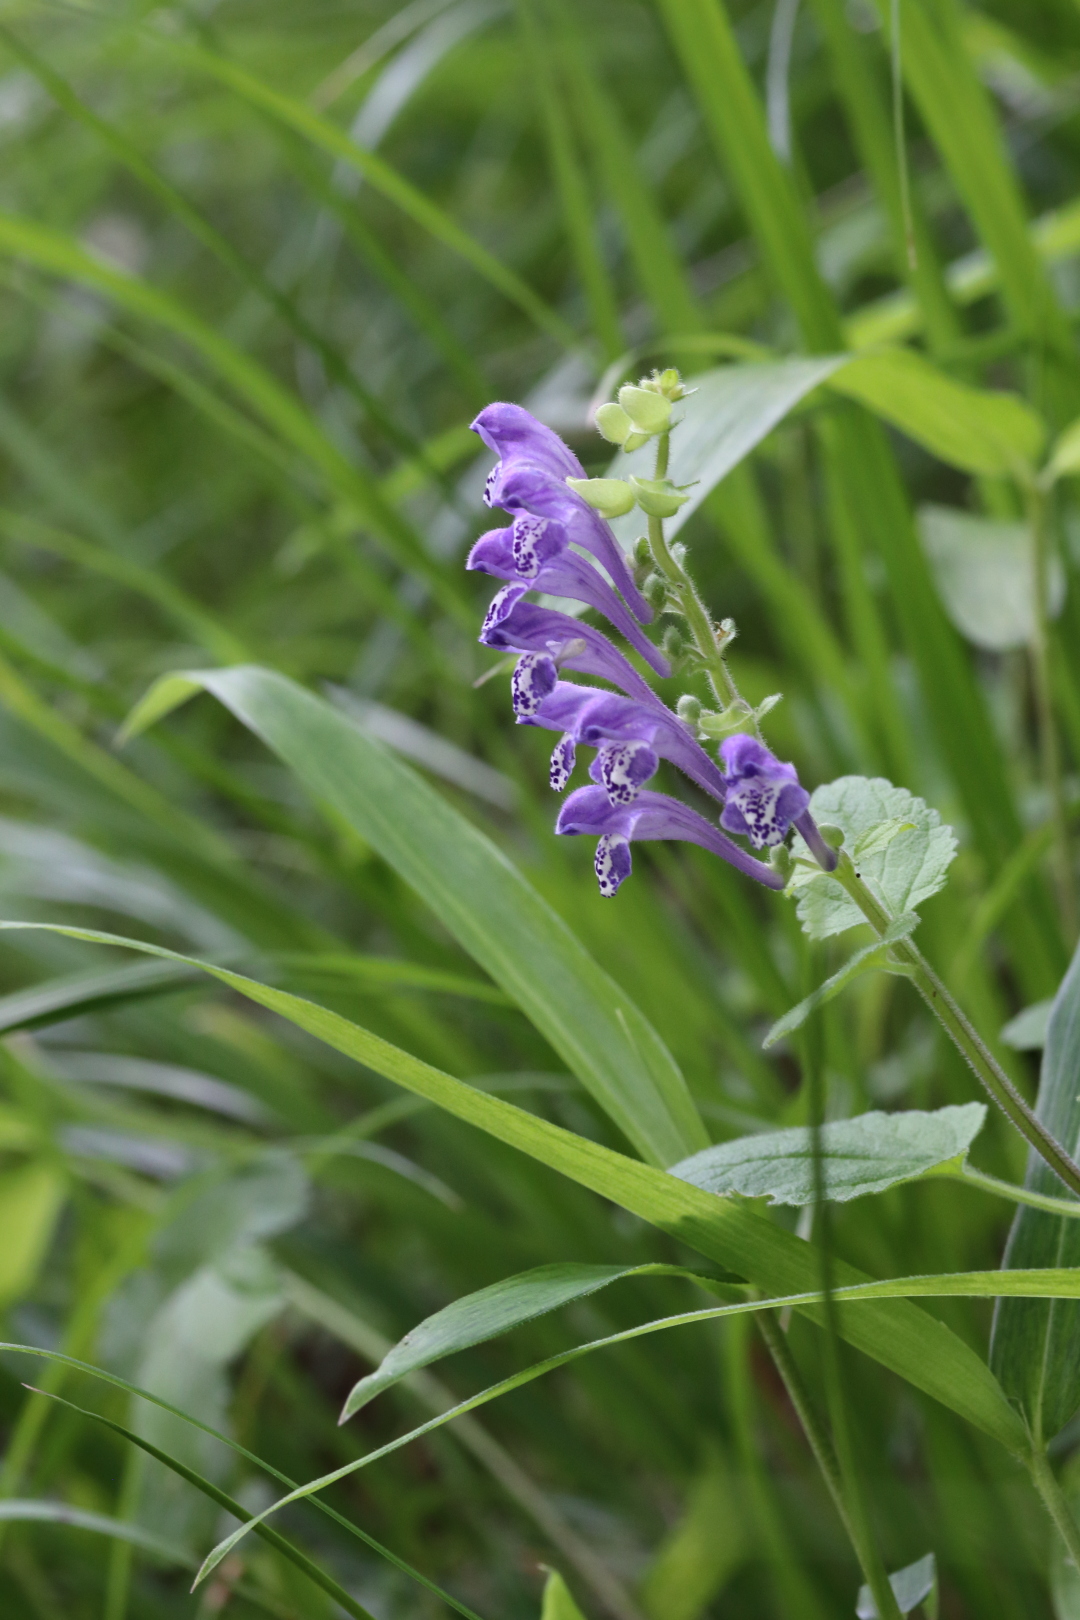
point(382, 177)
point(74, 995)
point(293, 1554)
point(33, 1511)
point(915, 1345)
point(491, 1312)
point(60, 255)
point(1054, 1283)
point(478, 895)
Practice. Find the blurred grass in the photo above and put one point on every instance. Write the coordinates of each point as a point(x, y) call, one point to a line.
point(259, 266)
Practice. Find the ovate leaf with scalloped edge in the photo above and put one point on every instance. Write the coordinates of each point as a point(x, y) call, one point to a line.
point(858, 1156)
point(901, 848)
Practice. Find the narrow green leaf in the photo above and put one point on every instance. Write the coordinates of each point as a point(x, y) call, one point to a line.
point(1035, 1348)
point(489, 1313)
point(475, 891)
point(727, 1232)
point(295, 115)
point(558, 1602)
point(55, 1000)
point(858, 1156)
point(98, 1524)
point(866, 960)
point(970, 428)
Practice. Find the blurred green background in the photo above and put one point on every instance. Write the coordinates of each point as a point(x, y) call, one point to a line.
point(260, 265)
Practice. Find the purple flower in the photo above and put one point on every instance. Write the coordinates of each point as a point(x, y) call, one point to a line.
point(615, 724)
point(589, 811)
point(763, 794)
point(530, 480)
point(514, 625)
point(536, 553)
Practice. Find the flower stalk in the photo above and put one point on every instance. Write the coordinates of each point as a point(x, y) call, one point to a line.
point(961, 1031)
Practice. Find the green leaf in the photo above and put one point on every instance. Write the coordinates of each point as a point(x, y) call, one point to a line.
point(31, 1198)
point(726, 1231)
point(98, 1524)
point(476, 893)
point(970, 428)
point(904, 870)
point(558, 1602)
point(1027, 1031)
point(1064, 459)
point(57, 999)
point(870, 958)
point(1035, 1348)
point(911, 1586)
point(730, 411)
point(985, 575)
point(858, 1156)
point(489, 1313)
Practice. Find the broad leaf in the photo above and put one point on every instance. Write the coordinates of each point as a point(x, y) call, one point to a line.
point(1035, 1348)
point(970, 428)
point(858, 1156)
point(911, 1586)
point(475, 892)
point(985, 576)
point(730, 411)
point(902, 871)
point(487, 1314)
point(1027, 1031)
point(914, 1344)
point(871, 957)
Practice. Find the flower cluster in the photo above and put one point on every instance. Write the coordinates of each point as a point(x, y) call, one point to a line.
point(555, 540)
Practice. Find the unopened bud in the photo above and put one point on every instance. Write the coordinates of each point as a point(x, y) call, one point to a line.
point(654, 590)
point(643, 552)
point(726, 631)
point(674, 642)
point(657, 496)
point(781, 860)
point(833, 836)
point(678, 554)
point(670, 383)
point(650, 412)
point(688, 708)
point(613, 422)
point(608, 496)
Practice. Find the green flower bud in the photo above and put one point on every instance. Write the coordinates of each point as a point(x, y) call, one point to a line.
point(670, 383)
point(833, 836)
point(650, 412)
point(674, 642)
point(656, 496)
point(613, 422)
point(608, 496)
point(688, 708)
point(643, 552)
point(654, 590)
point(782, 860)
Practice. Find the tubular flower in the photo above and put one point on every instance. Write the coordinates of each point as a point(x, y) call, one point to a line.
point(514, 625)
point(530, 480)
point(763, 794)
point(589, 811)
point(536, 553)
point(615, 724)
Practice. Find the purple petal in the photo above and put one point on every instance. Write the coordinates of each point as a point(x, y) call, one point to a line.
point(512, 625)
point(589, 812)
point(622, 769)
point(534, 678)
point(514, 434)
point(493, 554)
point(613, 864)
point(763, 793)
point(563, 760)
point(745, 757)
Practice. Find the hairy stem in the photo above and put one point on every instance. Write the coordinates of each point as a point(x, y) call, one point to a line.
point(1053, 1496)
point(962, 1033)
point(684, 593)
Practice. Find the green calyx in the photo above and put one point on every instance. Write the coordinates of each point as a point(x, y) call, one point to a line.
point(657, 497)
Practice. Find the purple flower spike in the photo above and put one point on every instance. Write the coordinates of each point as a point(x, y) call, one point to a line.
point(763, 794)
point(622, 769)
point(589, 812)
point(513, 625)
point(536, 553)
point(530, 479)
point(601, 719)
point(535, 677)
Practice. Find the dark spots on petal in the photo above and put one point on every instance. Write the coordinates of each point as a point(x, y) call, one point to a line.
point(533, 679)
point(624, 768)
point(613, 864)
point(563, 760)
